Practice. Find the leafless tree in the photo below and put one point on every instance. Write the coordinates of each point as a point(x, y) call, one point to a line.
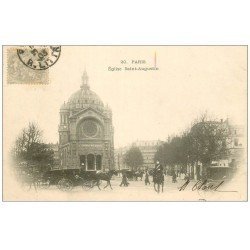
point(28, 136)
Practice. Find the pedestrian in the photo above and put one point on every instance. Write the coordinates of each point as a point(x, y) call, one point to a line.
point(174, 177)
point(147, 177)
point(182, 176)
point(124, 180)
point(186, 177)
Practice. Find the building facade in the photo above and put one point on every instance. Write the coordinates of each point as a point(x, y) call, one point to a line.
point(147, 148)
point(86, 131)
point(237, 146)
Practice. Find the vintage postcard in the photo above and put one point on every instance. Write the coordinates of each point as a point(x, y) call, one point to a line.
point(124, 123)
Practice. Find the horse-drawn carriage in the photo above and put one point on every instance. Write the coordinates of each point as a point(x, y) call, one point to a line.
point(66, 179)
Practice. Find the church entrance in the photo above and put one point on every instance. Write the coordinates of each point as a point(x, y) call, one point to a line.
point(91, 162)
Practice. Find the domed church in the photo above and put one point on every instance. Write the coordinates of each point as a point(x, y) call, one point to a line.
point(86, 131)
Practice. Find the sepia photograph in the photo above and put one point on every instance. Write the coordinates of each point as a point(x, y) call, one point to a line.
point(124, 123)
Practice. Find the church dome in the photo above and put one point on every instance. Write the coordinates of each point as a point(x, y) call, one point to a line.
point(83, 97)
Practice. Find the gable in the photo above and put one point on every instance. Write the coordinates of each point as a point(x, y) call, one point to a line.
point(90, 111)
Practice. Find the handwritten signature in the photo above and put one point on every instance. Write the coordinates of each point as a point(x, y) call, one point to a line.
point(204, 185)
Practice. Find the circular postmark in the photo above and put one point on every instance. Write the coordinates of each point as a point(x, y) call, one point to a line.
point(39, 57)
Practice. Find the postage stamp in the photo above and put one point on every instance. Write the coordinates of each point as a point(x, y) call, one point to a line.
point(30, 64)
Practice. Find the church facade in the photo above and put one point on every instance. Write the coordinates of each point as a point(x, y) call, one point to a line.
point(86, 131)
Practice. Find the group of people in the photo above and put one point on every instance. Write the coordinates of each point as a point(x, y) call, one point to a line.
point(157, 170)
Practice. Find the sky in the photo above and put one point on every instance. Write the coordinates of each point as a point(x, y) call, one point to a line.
point(146, 105)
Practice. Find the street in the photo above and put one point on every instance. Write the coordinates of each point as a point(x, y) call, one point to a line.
point(136, 191)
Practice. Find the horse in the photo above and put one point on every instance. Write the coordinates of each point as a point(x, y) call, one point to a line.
point(105, 176)
point(138, 174)
point(158, 179)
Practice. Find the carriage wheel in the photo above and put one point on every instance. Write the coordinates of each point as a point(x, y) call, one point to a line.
point(65, 185)
point(60, 184)
point(86, 185)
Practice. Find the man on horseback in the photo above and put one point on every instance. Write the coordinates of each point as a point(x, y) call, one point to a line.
point(158, 168)
point(158, 176)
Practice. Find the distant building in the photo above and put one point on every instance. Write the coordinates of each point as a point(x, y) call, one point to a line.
point(147, 148)
point(237, 146)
